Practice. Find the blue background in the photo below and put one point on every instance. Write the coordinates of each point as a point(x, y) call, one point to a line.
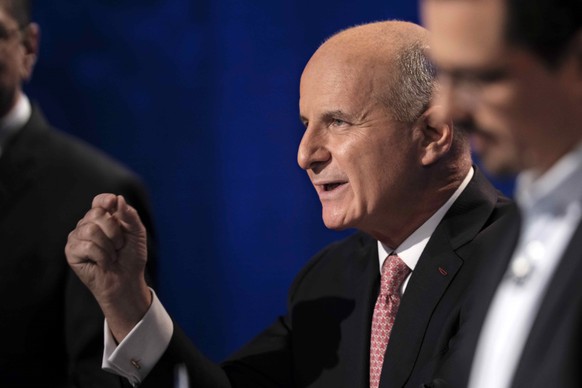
point(200, 98)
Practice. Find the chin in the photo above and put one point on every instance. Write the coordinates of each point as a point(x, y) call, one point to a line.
point(334, 225)
point(338, 222)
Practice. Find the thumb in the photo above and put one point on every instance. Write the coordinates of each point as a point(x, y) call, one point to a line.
point(128, 217)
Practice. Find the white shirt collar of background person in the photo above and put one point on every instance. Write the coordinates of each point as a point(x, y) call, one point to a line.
point(558, 187)
point(411, 248)
point(14, 120)
point(551, 207)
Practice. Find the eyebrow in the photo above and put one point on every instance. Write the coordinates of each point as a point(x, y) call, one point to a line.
point(331, 115)
point(334, 114)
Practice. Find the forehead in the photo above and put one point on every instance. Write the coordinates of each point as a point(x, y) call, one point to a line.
point(465, 33)
point(346, 82)
point(6, 17)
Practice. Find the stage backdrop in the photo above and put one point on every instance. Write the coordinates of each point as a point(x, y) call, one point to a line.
point(201, 99)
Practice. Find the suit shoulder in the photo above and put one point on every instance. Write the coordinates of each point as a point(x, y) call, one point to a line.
point(504, 206)
point(336, 257)
point(69, 170)
point(82, 157)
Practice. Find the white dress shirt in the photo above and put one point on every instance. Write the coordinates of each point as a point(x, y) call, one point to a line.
point(138, 353)
point(142, 348)
point(551, 207)
point(14, 120)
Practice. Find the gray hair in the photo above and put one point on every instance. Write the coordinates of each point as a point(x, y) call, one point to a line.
point(413, 85)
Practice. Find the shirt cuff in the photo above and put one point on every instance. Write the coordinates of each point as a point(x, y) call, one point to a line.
point(142, 348)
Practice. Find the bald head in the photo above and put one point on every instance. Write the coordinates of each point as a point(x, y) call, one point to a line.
point(390, 54)
point(380, 39)
point(381, 159)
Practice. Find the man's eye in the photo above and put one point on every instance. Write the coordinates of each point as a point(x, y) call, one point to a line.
point(338, 122)
point(476, 78)
point(4, 33)
point(491, 76)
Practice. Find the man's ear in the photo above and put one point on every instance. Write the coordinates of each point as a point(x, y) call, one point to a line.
point(30, 45)
point(436, 135)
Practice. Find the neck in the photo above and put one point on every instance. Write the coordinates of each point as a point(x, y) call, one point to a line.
point(543, 161)
point(436, 190)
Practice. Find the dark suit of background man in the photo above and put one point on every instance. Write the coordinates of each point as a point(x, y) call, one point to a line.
point(382, 162)
point(512, 73)
point(50, 326)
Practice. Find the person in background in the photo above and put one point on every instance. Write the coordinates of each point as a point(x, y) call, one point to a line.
point(376, 309)
point(50, 326)
point(515, 67)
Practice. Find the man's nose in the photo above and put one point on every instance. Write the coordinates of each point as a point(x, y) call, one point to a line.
point(313, 152)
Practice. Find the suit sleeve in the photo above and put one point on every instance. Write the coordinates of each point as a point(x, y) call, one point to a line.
point(264, 362)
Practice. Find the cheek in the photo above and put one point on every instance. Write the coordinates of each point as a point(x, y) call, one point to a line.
point(383, 173)
point(372, 162)
point(364, 174)
point(528, 116)
point(499, 109)
point(533, 103)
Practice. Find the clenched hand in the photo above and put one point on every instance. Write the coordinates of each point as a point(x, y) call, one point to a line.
point(108, 251)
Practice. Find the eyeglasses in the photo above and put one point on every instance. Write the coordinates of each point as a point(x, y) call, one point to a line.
point(474, 79)
point(467, 86)
point(7, 34)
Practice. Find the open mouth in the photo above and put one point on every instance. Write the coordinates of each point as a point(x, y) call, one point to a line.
point(332, 186)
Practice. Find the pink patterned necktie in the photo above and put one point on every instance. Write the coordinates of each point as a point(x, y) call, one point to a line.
point(394, 271)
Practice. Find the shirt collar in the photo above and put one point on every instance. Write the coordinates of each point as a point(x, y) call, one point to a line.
point(14, 120)
point(556, 188)
point(411, 248)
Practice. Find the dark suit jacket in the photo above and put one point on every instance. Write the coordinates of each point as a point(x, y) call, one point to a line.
point(51, 327)
point(552, 356)
point(324, 339)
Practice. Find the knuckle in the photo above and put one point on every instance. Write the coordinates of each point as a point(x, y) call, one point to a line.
point(88, 230)
point(95, 213)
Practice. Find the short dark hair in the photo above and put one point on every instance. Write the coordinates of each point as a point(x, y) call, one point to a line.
point(21, 10)
point(544, 27)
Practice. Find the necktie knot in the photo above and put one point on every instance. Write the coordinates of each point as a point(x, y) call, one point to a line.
point(394, 271)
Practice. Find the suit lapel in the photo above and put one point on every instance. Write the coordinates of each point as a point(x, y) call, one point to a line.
point(432, 276)
point(436, 269)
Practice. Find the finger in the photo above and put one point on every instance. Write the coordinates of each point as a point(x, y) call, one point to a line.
point(80, 252)
point(106, 201)
point(93, 233)
point(109, 225)
point(128, 216)
point(92, 214)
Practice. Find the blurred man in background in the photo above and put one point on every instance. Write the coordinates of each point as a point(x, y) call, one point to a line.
point(50, 326)
point(511, 70)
